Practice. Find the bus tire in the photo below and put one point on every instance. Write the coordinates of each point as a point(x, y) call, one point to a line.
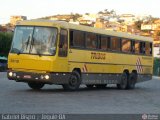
point(101, 86)
point(132, 81)
point(123, 82)
point(90, 86)
point(35, 86)
point(73, 82)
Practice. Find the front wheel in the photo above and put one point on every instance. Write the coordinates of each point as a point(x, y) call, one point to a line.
point(73, 82)
point(35, 86)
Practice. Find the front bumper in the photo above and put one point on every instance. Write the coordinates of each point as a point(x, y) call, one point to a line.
point(47, 78)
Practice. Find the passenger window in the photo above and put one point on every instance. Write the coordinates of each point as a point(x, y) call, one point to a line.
point(91, 40)
point(142, 47)
point(126, 45)
point(77, 38)
point(137, 47)
point(147, 48)
point(109, 43)
point(105, 41)
point(150, 48)
point(115, 44)
point(63, 43)
point(132, 46)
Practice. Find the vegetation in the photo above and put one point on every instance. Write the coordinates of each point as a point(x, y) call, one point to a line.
point(158, 33)
point(138, 24)
point(5, 43)
point(108, 12)
point(156, 67)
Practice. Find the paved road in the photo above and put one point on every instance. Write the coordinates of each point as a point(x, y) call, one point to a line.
point(19, 98)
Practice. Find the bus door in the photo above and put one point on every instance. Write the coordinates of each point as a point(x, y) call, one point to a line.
point(63, 50)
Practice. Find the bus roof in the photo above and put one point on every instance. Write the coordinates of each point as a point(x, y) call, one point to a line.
point(63, 24)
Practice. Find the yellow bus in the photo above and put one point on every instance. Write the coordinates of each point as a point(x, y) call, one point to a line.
point(57, 52)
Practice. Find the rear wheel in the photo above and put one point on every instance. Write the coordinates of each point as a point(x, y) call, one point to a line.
point(123, 82)
point(132, 81)
point(35, 86)
point(74, 82)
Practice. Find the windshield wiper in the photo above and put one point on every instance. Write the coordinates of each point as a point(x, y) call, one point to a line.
point(32, 44)
point(27, 43)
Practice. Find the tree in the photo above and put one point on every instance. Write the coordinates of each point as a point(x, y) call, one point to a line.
point(138, 24)
point(113, 12)
point(5, 43)
point(100, 12)
point(158, 33)
point(86, 13)
point(106, 11)
point(76, 16)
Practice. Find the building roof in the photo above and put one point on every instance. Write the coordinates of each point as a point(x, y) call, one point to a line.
point(63, 24)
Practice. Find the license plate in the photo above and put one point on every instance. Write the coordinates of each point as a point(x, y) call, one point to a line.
point(27, 76)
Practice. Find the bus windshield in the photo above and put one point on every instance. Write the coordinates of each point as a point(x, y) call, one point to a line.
point(34, 40)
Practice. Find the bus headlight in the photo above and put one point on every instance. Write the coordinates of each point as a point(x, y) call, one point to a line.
point(46, 77)
point(10, 74)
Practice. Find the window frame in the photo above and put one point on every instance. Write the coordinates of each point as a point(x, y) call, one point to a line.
point(109, 44)
point(66, 53)
point(71, 45)
point(97, 38)
point(119, 45)
point(29, 53)
point(130, 49)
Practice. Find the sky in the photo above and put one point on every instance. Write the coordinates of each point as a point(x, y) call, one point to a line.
point(40, 8)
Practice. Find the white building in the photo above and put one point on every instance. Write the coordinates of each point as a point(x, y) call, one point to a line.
point(90, 17)
point(156, 52)
point(128, 18)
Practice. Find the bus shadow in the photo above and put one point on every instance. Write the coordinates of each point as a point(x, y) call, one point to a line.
point(61, 90)
point(81, 89)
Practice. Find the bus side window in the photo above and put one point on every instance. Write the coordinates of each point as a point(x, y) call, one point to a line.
point(78, 39)
point(71, 38)
point(137, 47)
point(91, 41)
point(147, 48)
point(142, 47)
point(132, 46)
point(63, 43)
point(108, 43)
point(115, 44)
point(103, 45)
point(126, 45)
point(150, 48)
